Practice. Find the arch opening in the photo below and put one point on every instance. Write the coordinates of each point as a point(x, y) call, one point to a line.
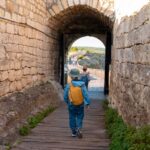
point(89, 51)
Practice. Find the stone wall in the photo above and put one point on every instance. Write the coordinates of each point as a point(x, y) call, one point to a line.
point(26, 45)
point(130, 80)
point(16, 108)
point(28, 57)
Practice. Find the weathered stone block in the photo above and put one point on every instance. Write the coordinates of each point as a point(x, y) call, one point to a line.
point(2, 12)
point(2, 27)
point(13, 87)
point(26, 71)
point(56, 9)
point(18, 85)
point(70, 2)
point(24, 82)
point(10, 28)
point(4, 65)
point(4, 75)
point(4, 88)
point(34, 78)
point(3, 3)
point(29, 79)
point(3, 121)
point(2, 52)
point(17, 64)
point(10, 6)
point(18, 75)
point(25, 64)
point(33, 70)
point(64, 3)
point(141, 54)
point(11, 75)
point(21, 31)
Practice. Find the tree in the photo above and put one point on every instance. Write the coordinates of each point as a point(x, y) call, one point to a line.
point(74, 49)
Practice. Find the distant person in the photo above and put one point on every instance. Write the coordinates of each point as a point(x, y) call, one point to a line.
point(85, 76)
point(74, 61)
point(75, 95)
point(69, 60)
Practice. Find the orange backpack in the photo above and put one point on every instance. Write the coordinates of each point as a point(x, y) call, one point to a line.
point(75, 95)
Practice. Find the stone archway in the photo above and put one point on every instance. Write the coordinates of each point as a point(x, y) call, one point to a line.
point(74, 20)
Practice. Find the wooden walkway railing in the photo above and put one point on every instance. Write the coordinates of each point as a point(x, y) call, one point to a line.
point(54, 133)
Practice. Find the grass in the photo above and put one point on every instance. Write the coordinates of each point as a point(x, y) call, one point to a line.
point(33, 121)
point(124, 137)
point(8, 146)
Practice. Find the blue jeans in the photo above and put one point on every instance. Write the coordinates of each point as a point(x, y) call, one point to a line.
point(76, 115)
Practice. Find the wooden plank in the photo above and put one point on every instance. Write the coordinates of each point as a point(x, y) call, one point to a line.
point(53, 132)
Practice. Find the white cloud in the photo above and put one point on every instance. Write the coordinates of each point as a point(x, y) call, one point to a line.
point(88, 41)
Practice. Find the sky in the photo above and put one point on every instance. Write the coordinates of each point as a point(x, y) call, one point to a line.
point(88, 41)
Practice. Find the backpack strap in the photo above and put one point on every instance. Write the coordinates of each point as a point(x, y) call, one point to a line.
point(70, 92)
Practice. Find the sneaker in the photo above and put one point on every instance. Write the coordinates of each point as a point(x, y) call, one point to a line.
point(74, 133)
point(79, 134)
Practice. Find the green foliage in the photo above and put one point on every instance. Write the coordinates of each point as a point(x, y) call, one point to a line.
point(105, 104)
point(88, 51)
point(33, 121)
point(24, 130)
point(73, 49)
point(8, 146)
point(81, 57)
point(92, 60)
point(123, 136)
point(140, 139)
point(91, 56)
point(91, 49)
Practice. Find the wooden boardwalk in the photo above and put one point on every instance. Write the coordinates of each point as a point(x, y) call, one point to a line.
point(54, 133)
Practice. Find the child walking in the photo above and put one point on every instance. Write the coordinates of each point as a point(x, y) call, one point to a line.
point(76, 96)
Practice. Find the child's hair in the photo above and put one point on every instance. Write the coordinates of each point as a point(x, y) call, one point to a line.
point(84, 68)
point(75, 78)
